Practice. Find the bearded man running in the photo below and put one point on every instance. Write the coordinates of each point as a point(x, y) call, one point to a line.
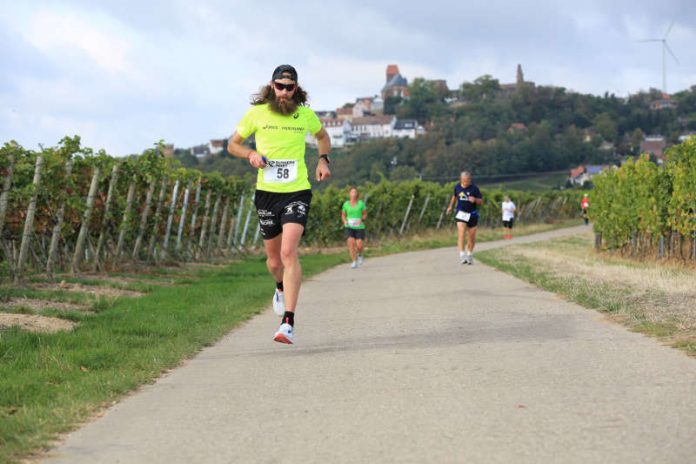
point(279, 118)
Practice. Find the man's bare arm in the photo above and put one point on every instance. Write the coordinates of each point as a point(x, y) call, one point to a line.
point(236, 148)
point(324, 144)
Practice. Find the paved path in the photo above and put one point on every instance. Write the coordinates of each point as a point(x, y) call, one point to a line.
point(413, 358)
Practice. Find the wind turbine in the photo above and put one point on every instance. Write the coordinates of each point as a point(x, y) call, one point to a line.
point(665, 49)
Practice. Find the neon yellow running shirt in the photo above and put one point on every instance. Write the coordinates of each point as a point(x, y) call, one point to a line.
point(281, 139)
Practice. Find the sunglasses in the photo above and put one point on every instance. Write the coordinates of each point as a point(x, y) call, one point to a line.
point(289, 87)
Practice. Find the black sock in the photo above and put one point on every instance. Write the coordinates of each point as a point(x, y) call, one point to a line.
point(289, 318)
point(279, 285)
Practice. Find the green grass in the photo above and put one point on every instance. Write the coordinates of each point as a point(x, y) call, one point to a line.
point(50, 383)
point(445, 238)
point(533, 184)
point(635, 309)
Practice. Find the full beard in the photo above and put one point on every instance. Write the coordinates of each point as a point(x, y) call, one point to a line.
point(284, 107)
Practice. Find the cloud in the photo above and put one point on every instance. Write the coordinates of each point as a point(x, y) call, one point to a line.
point(124, 73)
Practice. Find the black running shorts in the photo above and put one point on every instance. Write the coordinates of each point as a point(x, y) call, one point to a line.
point(509, 224)
point(472, 222)
point(276, 209)
point(358, 234)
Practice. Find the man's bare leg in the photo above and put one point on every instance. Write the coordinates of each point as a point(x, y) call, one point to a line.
point(292, 270)
point(351, 248)
point(273, 261)
point(470, 239)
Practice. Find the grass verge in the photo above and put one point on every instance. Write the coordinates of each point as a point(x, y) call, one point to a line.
point(651, 298)
point(447, 237)
point(49, 383)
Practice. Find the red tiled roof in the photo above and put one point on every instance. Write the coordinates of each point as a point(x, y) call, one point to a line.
point(372, 120)
point(577, 171)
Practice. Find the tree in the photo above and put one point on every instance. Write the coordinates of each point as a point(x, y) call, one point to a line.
point(605, 124)
point(484, 87)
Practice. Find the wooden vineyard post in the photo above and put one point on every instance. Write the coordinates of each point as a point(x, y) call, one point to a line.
point(246, 228)
point(408, 211)
point(60, 215)
point(170, 217)
point(29, 221)
point(442, 213)
point(84, 228)
point(143, 221)
point(256, 235)
point(126, 219)
point(213, 224)
point(107, 215)
point(223, 225)
point(155, 225)
point(425, 205)
point(194, 217)
point(229, 248)
point(182, 218)
point(237, 222)
point(204, 225)
point(4, 195)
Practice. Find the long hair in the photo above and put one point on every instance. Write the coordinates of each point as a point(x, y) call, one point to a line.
point(267, 95)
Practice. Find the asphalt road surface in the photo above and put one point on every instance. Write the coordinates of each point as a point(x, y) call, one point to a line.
point(413, 358)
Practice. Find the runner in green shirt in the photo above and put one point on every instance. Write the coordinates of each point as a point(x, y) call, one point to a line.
point(353, 215)
point(280, 119)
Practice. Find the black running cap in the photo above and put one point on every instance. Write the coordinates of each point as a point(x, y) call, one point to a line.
point(285, 71)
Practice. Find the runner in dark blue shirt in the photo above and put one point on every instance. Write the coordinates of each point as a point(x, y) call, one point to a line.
point(467, 197)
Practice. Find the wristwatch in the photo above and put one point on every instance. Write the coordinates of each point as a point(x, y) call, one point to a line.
point(326, 157)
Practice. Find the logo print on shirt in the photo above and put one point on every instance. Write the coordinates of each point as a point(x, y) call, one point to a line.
point(296, 115)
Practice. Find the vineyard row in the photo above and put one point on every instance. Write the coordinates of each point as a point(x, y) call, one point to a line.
point(67, 208)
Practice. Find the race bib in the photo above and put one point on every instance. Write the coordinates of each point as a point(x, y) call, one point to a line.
point(354, 222)
point(280, 171)
point(463, 216)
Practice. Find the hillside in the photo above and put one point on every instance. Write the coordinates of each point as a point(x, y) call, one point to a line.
point(493, 129)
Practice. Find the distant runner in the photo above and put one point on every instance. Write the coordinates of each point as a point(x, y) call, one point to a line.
point(584, 206)
point(280, 119)
point(353, 215)
point(467, 197)
point(508, 208)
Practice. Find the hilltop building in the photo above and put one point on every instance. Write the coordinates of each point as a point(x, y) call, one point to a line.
point(407, 129)
point(340, 131)
point(582, 174)
point(519, 82)
point(654, 145)
point(664, 103)
point(396, 85)
point(374, 127)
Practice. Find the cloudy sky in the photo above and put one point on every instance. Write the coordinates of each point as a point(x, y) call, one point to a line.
point(124, 73)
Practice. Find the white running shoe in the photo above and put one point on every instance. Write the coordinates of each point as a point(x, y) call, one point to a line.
point(470, 259)
point(462, 259)
point(284, 334)
point(279, 303)
point(361, 260)
point(354, 265)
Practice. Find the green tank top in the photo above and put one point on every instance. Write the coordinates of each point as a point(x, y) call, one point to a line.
point(354, 214)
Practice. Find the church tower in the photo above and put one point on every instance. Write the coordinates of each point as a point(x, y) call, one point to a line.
point(520, 75)
point(392, 70)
